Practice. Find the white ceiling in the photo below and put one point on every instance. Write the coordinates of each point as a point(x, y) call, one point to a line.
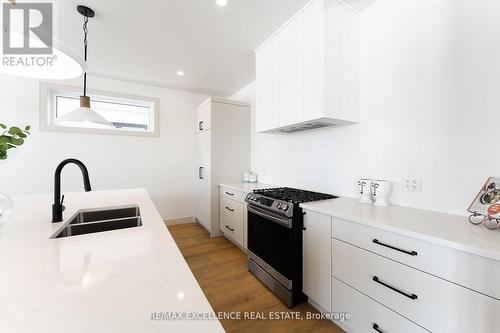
point(149, 40)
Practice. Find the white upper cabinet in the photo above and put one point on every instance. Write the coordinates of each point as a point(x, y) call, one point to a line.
point(307, 72)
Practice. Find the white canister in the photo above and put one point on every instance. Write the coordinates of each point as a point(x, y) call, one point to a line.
point(381, 190)
point(246, 177)
point(364, 190)
point(253, 177)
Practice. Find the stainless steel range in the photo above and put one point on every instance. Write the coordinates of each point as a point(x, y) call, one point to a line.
point(275, 225)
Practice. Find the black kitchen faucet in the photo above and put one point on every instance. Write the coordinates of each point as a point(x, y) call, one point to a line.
point(57, 207)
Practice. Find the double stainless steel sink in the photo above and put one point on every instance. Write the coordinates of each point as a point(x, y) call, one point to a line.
point(99, 220)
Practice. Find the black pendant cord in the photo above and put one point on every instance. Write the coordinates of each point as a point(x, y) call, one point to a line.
point(85, 33)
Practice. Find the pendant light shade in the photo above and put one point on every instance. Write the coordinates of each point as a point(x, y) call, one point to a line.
point(68, 65)
point(62, 63)
point(84, 115)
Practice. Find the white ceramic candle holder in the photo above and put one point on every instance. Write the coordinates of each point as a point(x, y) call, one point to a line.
point(364, 190)
point(381, 190)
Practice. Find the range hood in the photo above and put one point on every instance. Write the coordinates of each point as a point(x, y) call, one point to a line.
point(310, 80)
point(308, 125)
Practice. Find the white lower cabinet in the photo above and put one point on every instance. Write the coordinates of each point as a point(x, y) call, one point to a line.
point(233, 215)
point(434, 303)
point(365, 315)
point(232, 229)
point(392, 283)
point(316, 264)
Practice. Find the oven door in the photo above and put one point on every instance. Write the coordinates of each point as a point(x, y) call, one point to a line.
point(270, 239)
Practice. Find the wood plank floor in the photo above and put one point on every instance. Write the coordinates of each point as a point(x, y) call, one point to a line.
point(221, 270)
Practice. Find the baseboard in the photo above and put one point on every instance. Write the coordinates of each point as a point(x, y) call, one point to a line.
point(180, 220)
point(316, 305)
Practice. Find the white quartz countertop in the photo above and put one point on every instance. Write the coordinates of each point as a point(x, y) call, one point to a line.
point(247, 187)
point(102, 282)
point(443, 229)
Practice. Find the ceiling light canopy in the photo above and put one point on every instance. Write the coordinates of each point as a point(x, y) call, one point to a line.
point(40, 55)
point(180, 73)
point(84, 115)
point(221, 3)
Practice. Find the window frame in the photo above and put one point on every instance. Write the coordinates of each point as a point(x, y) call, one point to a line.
point(48, 92)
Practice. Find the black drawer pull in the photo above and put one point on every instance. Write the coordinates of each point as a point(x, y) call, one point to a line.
point(229, 228)
point(377, 328)
point(229, 193)
point(200, 126)
point(411, 296)
point(411, 253)
point(229, 209)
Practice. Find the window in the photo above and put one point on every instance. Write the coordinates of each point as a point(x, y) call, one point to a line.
point(130, 115)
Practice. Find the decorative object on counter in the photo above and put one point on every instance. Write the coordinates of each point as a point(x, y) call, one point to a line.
point(253, 177)
point(6, 205)
point(486, 205)
point(12, 137)
point(364, 190)
point(381, 190)
point(250, 177)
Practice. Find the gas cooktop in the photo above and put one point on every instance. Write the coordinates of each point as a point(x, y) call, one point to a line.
point(293, 195)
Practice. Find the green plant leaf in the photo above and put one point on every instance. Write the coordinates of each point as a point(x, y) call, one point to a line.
point(22, 135)
point(15, 130)
point(3, 155)
point(16, 141)
point(4, 139)
point(27, 128)
point(3, 126)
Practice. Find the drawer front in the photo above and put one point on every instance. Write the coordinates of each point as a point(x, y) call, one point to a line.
point(433, 303)
point(365, 314)
point(232, 194)
point(232, 209)
point(231, 229)
point(468, 270)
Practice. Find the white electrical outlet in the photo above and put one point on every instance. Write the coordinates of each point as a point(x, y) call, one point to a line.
point(412, 184)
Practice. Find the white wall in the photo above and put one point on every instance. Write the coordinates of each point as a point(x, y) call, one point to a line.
point(430, 107)
point(163, 165)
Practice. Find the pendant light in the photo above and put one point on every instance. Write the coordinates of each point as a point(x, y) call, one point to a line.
point(64, 61)
point(84, 114)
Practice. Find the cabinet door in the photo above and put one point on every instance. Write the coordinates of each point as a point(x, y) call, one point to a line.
point(203, 175)
point(317, 258)
point(203, 118)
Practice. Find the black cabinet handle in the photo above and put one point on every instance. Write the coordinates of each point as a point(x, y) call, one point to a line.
point(200, 126)
point(200, 172)
point(410, 296)
point(229, 228)
point(377, 328)
point(411, 253)
point(229, 193)
point(229, 209)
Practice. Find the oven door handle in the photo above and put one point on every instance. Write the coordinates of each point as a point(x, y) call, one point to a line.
point(282, 221)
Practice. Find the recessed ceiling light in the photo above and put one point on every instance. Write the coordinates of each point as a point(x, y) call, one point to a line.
point(222, 3)
point(180, 73)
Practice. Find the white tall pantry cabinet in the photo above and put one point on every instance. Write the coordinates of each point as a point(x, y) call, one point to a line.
point(222, 154)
